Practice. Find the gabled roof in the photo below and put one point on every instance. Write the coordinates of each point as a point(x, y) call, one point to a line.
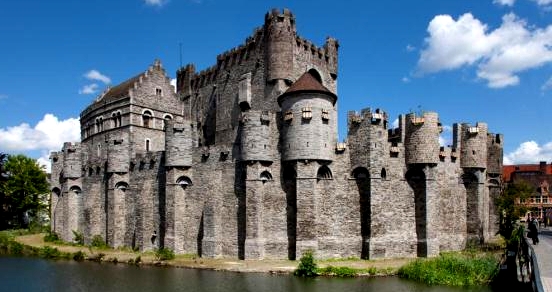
point(509, 170)
point(305, 84)
point(121, 89)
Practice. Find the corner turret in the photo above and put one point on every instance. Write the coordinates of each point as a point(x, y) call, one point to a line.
point(422, 138)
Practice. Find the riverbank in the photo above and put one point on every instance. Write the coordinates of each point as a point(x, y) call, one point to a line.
point(382, 267)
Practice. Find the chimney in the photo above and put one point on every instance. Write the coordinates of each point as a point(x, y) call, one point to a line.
point(542, 167)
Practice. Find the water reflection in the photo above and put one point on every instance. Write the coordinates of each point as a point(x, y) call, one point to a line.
point(27, 274)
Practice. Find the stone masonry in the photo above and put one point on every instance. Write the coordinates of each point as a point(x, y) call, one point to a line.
point(243, 161)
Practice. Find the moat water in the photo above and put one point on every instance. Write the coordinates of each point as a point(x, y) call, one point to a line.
point(29, 274)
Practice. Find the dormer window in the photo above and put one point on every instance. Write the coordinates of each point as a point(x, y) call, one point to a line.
point(307, 113)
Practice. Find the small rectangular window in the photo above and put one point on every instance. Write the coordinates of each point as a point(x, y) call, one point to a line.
point(288, 116)
point(307, 113)
point(147, 145)
point(158, 91)
point(325, 115)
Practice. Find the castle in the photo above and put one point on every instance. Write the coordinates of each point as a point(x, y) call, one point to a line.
point(244, 161)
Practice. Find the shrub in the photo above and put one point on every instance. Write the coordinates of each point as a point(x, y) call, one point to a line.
point(164, 254)
point(452, 269)
point(78, 237)
point(51, 237)
point(98, 241)
point(307, 266)
point(49, 252)
point(78, 256)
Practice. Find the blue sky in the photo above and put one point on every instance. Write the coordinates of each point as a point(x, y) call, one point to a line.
point(469, 60)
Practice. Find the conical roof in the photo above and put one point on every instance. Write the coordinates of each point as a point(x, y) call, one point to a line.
point(307, 83)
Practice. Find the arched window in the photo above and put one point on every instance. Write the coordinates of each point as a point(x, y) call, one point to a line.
point(101, 124)
point(166, 118)
point(147, 119)
point(361, 173)
point(119, 119)
point(383, 174)
point(184, 181)
point(265, 176)
point(123, 186)
point(114, 121)
point(147, 145)
point(75, 189)
point(324, 173)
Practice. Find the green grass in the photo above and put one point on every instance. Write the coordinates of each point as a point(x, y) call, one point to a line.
point(453, 269)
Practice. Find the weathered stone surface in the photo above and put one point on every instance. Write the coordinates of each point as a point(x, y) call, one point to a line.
point(219, 169)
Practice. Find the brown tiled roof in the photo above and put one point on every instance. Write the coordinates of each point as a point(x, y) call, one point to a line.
point(508, 170)
point(307, 83)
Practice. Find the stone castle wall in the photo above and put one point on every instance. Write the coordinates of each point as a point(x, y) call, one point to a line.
point(222, 169)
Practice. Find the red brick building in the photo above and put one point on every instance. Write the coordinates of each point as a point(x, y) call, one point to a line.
point(540, 177)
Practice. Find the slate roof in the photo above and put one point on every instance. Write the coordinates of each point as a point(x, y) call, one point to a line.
point(307, 83)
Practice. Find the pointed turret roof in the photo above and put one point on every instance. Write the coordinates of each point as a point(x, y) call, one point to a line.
point(307, 83)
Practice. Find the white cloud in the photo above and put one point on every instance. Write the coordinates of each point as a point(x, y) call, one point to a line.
point(96, 75)
point(44, 160)
point(410, 48)
point(405, 79)
point(173, 83)
point(505, 2)
point(445, 138)
point(89, 89)
point(154, 2)
point(543, 2)
point(498, 55)
point(529, 153)
point(49, 133)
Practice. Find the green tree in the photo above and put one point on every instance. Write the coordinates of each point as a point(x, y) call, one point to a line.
point(25, 182)
point(510, 211)
point(3, 178)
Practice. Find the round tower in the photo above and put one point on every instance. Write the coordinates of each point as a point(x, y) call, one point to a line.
point(255, 138)
point(473, 145)
point(118, 156)
point(72, 160)
point(310, 121)
point(422, 138)
point(178, 143)
point(280, 37)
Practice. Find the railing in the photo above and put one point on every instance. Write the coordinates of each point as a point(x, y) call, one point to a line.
point(528, 268)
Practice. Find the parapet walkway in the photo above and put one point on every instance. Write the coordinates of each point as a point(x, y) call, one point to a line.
point(543, 252)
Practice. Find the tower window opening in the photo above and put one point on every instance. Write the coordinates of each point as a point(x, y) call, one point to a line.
point(325, 115)
point(288, 116)
point(147, 119)
point(307, 113)
point(147, 145)
point(158, 91)
point(324, 173)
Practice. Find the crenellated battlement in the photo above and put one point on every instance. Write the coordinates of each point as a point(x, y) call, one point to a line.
point(367, 117)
